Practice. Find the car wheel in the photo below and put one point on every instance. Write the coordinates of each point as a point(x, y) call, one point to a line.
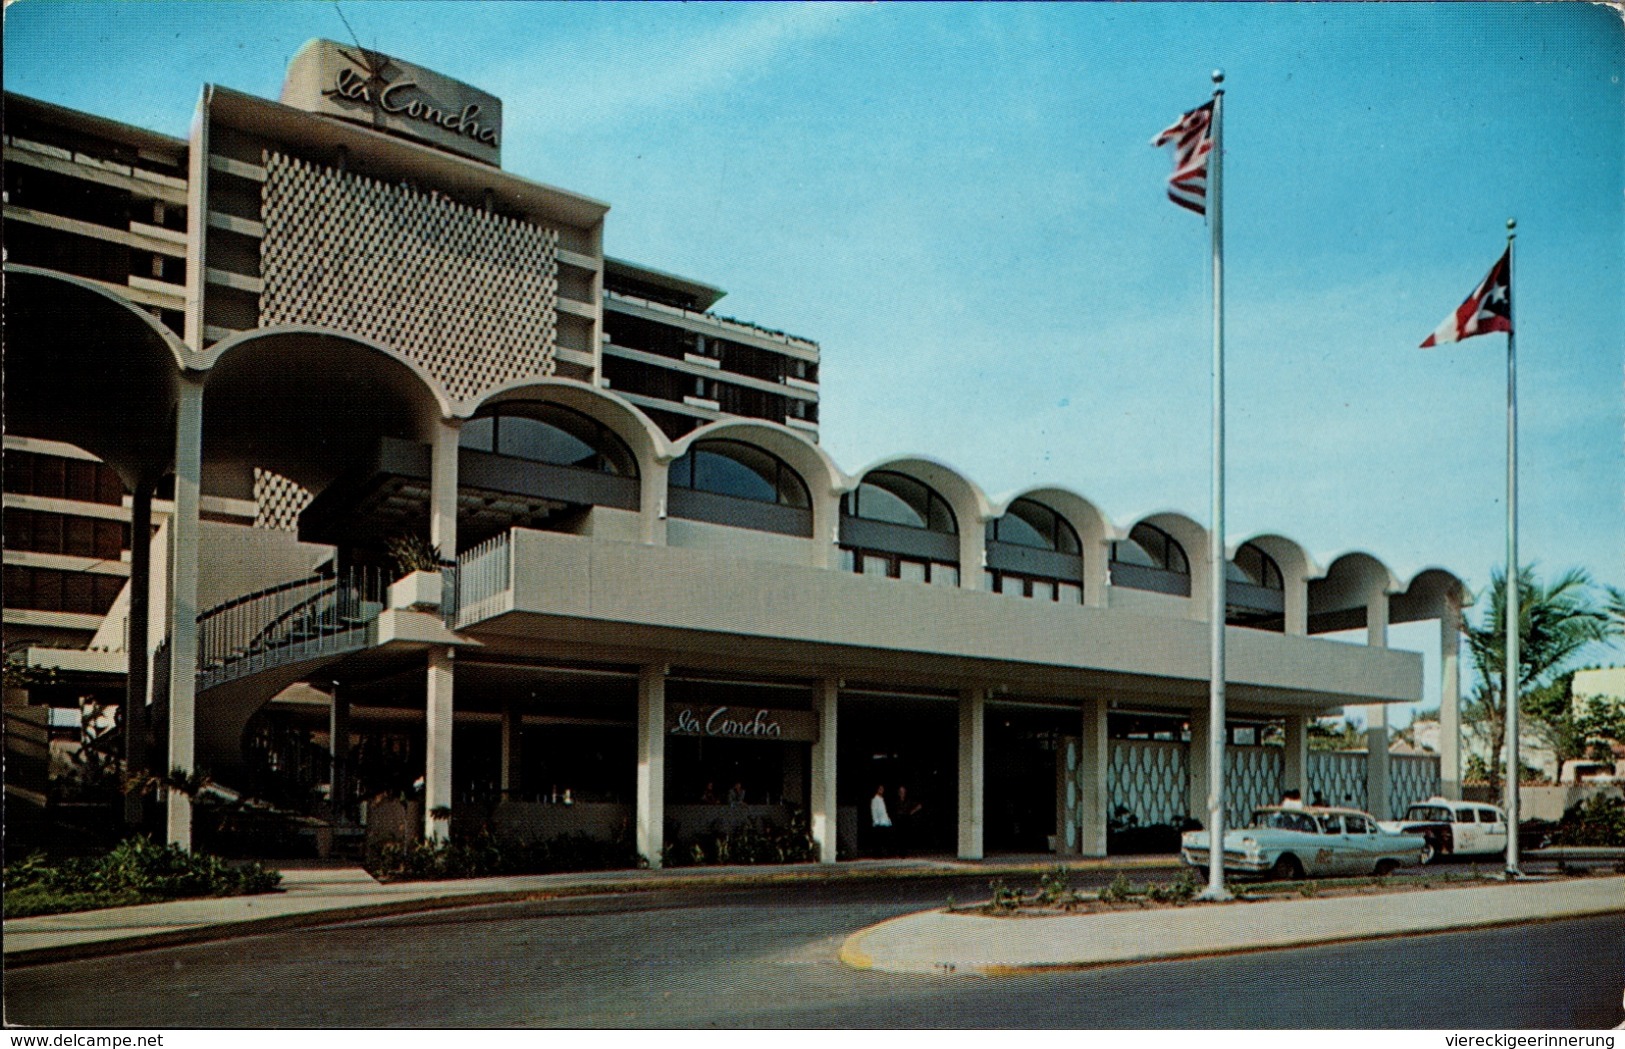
point(1429, 854)
point(1385, 868)
point(1287, 868)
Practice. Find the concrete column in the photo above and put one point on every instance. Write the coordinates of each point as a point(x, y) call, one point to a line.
point(437, 773)
point(651, 800)
point(338, 743)
point(972, 770)
point(1450, 703)
point(1295, 759)
point(972, 553)
point(1376, 717)
point(826, 530)
point(136, 725)
point(1376, 621)
point(183, 610)
point(1196, 762)
point(1096, 559)
point(652, 484)
point(1376, 762)
point(1094, 757)
point(826, 698)
point(511, 778)
point(443, 490)
point(1296, 602)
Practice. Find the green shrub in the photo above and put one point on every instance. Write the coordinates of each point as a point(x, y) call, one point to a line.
point(1120, 890)
point(1004, 897)
point(1599, 820)
point(136, 870)
point(1184, 887)
point(1055, 886)
point(482, 856)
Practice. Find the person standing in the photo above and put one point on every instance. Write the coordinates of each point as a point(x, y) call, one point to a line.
point(880, 822)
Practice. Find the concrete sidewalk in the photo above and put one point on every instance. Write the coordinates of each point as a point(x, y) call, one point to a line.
point(939, 942)
point(313, 896)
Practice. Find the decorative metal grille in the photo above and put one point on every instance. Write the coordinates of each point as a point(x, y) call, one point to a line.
point(278, 502)
point(1338, 776)
point(1148, 780)
point(1252, 777)
point(469, 295)
point(1411, 778)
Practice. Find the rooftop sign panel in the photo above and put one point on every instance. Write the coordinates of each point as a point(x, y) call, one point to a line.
point(386, 94)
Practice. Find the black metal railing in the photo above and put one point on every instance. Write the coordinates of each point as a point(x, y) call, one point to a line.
point(324, 613)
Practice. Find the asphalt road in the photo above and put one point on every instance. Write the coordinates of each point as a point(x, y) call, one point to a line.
point(766, 958)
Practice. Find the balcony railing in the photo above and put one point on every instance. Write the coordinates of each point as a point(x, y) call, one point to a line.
point(320, 615)
point(477, 583)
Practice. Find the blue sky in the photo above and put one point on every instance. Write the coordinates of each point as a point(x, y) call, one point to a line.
point(960, 203)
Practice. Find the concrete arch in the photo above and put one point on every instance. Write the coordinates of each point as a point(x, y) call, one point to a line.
point(1094, 530)
point(971, 507)
point(86, 366)
point(1194, 539)
point(1354, 584)
point(307, 402)
point(619, 415)
point(822, 477)
point(1431, 594)
point(1297, 568)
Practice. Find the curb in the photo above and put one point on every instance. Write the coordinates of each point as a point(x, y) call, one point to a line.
point(384, 908)
point(855, 952)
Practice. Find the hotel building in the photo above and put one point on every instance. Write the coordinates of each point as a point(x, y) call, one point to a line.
point(244, 365)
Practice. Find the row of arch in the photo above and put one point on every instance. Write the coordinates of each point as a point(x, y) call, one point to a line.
point(303, 402)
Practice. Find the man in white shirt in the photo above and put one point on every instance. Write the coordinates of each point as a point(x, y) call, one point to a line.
point(880, 821)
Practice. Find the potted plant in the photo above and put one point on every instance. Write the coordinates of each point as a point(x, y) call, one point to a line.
point(419, 586)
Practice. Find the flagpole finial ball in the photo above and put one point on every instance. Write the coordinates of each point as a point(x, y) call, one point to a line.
point(1512, 224)
point(1218, 76)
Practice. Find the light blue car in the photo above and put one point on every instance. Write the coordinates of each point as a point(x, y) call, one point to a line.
point(1289, 843)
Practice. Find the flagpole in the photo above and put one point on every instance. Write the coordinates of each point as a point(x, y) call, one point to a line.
point(1216, 559)
point(1513, 617)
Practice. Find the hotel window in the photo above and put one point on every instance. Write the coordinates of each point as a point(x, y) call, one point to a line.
point(741, 471)
point(1032, 551)
point(1151, 559)
point(1255, 591)
point(898, 566)
point(549, 433)
point(895, 526)
point(894, 498)
point(1254, 567)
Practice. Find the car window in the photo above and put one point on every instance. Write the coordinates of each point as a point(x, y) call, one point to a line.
point(1356, 825)
point(1297, 821)
point(1433, 813)
point(1488, 816)
point(1331, 824)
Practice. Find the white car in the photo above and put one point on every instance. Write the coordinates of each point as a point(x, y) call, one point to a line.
point(1454, 828)
point(1288, 843)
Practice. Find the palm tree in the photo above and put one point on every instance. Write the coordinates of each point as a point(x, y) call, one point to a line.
point(1556, 623)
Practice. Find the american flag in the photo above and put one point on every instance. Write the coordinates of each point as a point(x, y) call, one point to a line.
point(1192, 137)
point(1487, 309)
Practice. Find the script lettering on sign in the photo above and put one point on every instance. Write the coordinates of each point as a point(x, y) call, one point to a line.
point(405, 97)
point(395, 97)
point(756, 723)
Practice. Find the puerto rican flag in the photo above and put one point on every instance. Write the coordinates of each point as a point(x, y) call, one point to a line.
point(1192, 137)
point(1487, 309)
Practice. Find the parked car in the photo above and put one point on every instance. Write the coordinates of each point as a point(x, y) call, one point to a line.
point(1454, 828)
point(1288, 843)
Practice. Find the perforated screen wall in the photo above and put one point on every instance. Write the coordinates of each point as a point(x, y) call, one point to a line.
point(471, 296)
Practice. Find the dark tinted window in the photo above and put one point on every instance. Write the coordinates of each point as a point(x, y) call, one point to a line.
point(549, 433)
point(1151, 547)
point(740, 470)
point(897, 499)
